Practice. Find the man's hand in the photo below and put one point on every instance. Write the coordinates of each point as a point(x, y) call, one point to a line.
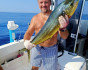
point(28, 45)
point(64, 21)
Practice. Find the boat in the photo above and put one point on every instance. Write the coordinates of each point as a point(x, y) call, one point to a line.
point(14, 56)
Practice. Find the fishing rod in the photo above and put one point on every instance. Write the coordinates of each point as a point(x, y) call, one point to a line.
point(79, 23)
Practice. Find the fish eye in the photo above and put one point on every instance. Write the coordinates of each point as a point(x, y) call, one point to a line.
point(71, 4)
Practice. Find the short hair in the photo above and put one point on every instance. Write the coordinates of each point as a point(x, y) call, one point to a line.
point(50, 0)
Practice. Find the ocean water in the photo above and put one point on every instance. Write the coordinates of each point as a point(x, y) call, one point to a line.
point(22, 19)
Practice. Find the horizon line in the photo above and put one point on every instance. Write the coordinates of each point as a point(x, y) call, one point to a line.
point(18, 12)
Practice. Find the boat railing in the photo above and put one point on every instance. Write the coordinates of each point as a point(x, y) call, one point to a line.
point(13, 55)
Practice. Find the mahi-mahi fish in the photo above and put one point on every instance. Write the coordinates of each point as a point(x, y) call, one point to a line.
point(52, 25)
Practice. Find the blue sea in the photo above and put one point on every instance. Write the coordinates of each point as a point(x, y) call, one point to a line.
point(22, 19)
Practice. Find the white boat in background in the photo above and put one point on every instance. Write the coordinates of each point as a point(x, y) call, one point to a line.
point(14, 56)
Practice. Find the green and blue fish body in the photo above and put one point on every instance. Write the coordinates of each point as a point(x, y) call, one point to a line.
point(52, 25)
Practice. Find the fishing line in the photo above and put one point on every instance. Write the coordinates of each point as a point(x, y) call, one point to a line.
point(19, 32)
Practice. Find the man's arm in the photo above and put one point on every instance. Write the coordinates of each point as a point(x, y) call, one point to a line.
point(64, 34)
point(30, 30)
point(28, 34)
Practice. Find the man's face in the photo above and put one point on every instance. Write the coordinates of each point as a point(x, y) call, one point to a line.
point(44, 5)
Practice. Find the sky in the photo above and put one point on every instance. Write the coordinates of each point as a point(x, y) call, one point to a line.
point(85, 10)
point(24, 6)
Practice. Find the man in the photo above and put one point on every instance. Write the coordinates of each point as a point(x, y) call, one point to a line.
point(45, 53)
point(1, 68)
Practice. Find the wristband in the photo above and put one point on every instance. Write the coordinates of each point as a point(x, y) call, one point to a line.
point(63, 30)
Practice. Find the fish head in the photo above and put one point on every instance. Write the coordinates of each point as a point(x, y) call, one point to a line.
point(70, 7)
